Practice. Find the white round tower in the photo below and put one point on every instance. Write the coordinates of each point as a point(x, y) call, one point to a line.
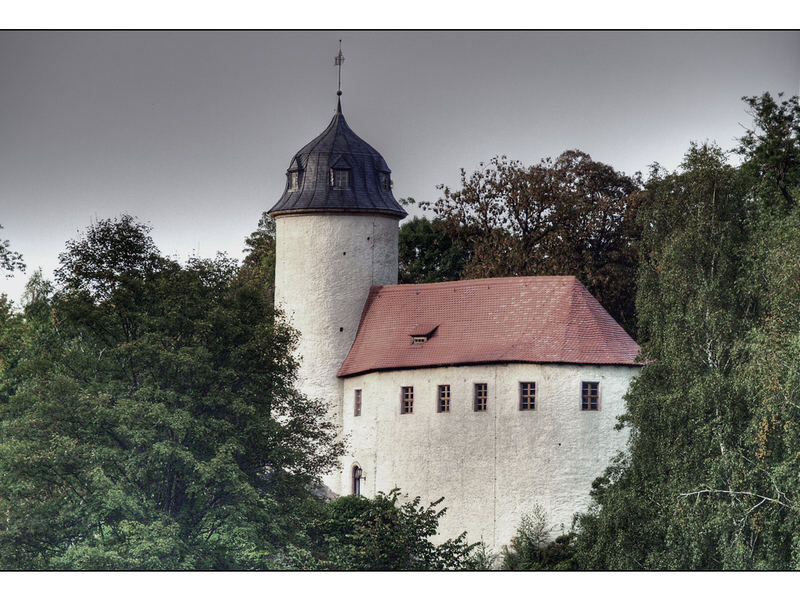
point(336, 235)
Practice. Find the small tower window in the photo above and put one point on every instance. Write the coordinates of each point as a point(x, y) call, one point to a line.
point(357, 404)
point(384, 180)
point(295, 180)
point(340, 179)
point(357, 473)
point(418, 339)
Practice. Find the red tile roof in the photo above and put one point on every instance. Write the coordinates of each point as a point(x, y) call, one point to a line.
point(509, 319)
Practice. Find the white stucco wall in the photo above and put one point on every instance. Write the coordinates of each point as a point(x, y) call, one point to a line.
point(491, 466)
point(324, 267)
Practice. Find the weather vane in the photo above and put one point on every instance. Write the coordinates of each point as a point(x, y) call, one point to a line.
point(338, 62)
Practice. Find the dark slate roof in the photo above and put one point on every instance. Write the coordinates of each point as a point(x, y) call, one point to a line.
point(479, 321)
point(338, 146)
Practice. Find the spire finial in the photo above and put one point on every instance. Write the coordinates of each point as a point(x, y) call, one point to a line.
point(338, 62)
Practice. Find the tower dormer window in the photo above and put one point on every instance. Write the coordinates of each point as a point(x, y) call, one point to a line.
point(295, 180)
point(384, 180)
point(340, 179)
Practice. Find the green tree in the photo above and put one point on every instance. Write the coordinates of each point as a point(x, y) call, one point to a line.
point(10, 261)
point(428, 252)
point(769, 363)
point(533, 533)
point(531, 548)
point(482, 558)
point(150, 420)
point(571, 216)
point(12, 338)
point(258, 267)
point(686, 413)
point(710, 477)
point(772, 146)
point(367, 534)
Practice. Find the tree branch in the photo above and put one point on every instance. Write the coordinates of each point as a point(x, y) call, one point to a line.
point(733, 493)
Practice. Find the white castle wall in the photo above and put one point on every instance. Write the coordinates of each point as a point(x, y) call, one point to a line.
point(491, 466)
point(324, 267)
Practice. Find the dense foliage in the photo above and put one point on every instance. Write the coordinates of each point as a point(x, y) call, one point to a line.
point(570, 216)
point(10, 261)
point(710, 477)
point(363, 534)
point(258, 266)
point(532, 548)
point(148, 417)
point(428, 251)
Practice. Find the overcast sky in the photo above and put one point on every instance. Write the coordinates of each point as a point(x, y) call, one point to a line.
point(192, 132)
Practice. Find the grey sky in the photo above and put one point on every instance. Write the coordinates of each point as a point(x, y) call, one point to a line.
point(193, 131)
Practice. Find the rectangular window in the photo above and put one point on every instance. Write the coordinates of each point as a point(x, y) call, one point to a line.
point(527, 395)
point(340, 179)
point(590, 395)
point(295, 180)
point(407, 400)
point(481, 396)
point(443, 400)
point(357, 404)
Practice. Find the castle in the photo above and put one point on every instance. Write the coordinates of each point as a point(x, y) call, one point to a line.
point(498, 394)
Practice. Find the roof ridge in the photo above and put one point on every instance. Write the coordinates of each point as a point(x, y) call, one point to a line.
point(477, 281)
point(319, 138)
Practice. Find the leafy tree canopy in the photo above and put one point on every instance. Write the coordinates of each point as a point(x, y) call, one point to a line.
point(569, 216)
point(772, 145)
point(428, 252)
point(9, 261)
point(532, 548)
point(258, 267)
point(366, 534)
point(710, 477)
point(148, 417)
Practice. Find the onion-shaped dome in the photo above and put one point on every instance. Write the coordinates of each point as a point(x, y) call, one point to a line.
point(338, 172)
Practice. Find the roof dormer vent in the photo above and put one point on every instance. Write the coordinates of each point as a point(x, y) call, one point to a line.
point(421, 333)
